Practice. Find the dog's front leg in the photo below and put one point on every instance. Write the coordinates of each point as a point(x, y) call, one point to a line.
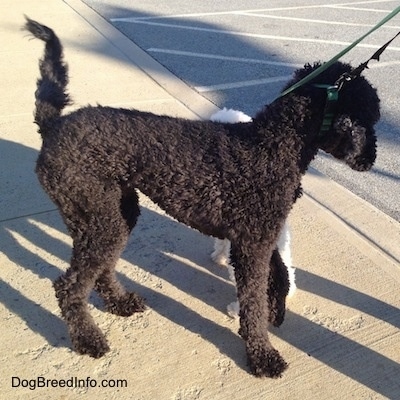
point(252, 277)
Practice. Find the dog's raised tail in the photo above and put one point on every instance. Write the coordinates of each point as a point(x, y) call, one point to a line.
point(51, 96)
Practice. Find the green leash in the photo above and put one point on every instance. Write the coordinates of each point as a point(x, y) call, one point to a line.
point(326, 65)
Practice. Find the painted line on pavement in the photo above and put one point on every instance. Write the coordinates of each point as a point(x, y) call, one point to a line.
point(224, 58)
point(376, 10)
point(314, 21)
point(236, 85)
point(260, 36)
point(216, 13)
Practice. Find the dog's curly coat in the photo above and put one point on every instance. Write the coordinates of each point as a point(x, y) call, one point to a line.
point(234, 181)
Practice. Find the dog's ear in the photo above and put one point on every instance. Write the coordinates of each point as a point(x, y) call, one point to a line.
point(354, 139)
point(356, 144)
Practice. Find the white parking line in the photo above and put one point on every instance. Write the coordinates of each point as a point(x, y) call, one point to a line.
point(258, 35)
point(206, 14)
point(367, 2)
point(233, 85)
point(314, 21)
point(340, 7)
point(236, 85)
point(224, 58)
point(381, 64)
point(353, 3)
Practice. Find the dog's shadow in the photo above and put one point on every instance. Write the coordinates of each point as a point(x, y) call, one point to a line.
point(340, 352)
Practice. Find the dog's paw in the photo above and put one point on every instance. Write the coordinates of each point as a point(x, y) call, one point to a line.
point(266, 363)
point(277, 316)
point(89, 341)
point(277, 309)
point(233, 309)
point(220, 255)
point(127, 305)
point(219, 258)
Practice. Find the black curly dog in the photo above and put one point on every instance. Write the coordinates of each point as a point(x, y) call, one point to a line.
point(235, 181)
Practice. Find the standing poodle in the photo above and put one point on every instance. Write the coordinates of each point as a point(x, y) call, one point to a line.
point(231, 181)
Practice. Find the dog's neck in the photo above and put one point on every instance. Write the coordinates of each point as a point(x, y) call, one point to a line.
point(301, 122)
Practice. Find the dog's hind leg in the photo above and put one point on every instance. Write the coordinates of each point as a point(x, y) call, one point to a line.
point(278, 289)
point(99, 233)
point(252, 276)
point(72, 290)
point(117, 300)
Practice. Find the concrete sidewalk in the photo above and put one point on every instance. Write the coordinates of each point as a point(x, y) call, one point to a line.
point(341, 335)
